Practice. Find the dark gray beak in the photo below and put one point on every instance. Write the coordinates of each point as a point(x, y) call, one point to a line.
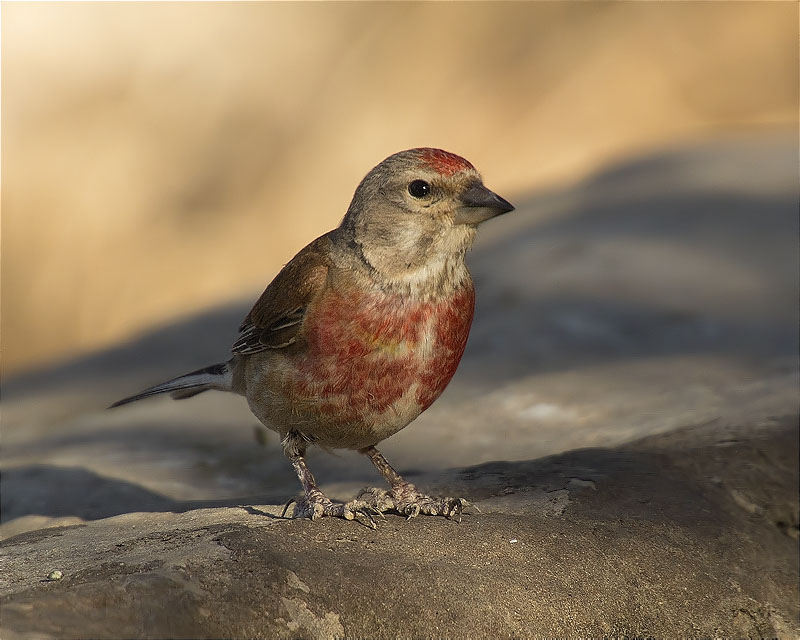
point(478, 204)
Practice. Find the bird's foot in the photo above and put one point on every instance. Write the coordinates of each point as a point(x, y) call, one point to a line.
point(407, 501)
point(316, 505)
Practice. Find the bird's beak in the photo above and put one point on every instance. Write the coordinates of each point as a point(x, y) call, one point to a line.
point(478, 204)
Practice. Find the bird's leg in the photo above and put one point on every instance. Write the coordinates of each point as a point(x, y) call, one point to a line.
point(315, 504)
point(403, 496)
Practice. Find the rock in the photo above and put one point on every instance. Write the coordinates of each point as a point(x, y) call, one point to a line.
point(648, 539)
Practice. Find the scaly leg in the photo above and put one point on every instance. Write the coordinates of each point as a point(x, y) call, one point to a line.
point(403, 496)
point(314, 503)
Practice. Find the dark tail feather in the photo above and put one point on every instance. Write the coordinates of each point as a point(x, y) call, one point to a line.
point(187, 393)
point(217, 376)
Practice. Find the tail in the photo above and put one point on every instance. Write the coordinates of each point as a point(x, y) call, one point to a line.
point(217, 376)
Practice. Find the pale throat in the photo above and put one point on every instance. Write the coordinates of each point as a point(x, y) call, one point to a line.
point(430, 266)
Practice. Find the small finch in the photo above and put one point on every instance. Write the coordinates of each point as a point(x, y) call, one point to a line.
point(364, 328)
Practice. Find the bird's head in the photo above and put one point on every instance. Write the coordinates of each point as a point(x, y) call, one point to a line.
point(417, 209)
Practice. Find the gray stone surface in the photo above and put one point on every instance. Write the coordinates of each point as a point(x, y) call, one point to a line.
point(625, 417)
point(675, 535)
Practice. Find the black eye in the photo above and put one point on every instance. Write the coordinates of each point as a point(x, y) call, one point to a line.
point(419, 188)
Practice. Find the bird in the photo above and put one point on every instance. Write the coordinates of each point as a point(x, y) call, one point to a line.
point(363, 329)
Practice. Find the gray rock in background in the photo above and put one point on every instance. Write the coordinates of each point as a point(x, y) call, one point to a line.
point(633, 362)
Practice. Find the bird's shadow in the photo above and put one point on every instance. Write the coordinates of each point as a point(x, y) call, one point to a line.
point(57, 492)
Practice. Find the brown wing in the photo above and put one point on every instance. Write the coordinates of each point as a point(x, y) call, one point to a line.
point(277, 316)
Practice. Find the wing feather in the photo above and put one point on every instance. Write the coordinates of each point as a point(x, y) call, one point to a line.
point(276, 319)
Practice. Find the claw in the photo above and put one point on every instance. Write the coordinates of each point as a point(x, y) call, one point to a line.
point(364, 512)
point(455, 511)
point(465, 507)
point(286, 507)
point(376, 512)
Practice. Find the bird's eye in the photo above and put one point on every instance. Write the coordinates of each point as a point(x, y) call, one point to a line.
point(419, 188)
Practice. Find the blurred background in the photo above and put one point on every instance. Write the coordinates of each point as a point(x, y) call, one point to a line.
point(161, 162)
point(161, 159)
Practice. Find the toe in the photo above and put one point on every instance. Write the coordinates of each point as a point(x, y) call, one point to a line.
point(411, 511)
point(317, 511)
point(454, 510)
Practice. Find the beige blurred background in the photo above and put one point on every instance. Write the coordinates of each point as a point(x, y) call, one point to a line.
point(159, 159)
